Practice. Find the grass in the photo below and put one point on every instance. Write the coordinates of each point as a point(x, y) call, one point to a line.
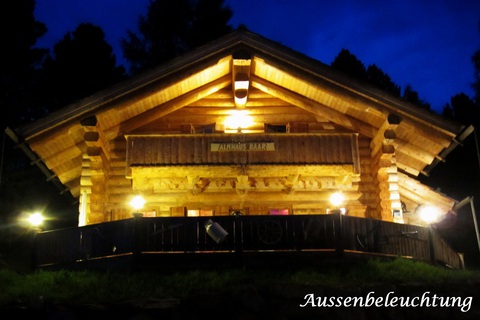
point(88, 287)
point(384, 271)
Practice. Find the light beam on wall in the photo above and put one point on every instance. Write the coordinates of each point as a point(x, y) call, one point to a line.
point(238, 120)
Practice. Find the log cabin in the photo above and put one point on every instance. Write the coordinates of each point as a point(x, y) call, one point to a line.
point(244, 126)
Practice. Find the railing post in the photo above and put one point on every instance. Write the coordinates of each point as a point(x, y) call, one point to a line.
point(34, 248)
point(338, 221)
point(137, 237)
point(461, 258)
point(431, 245)
point(238, 234)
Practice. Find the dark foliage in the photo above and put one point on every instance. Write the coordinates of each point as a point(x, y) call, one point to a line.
point(171, 28)
point(382, 80)
point(462, 109)
point(412, 96)
point(476, 84)
point(83, 64)
point(348, 63)
point(19, 61)
point(33, 86)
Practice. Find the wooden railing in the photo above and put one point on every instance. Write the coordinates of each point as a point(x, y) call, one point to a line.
point(334, 233)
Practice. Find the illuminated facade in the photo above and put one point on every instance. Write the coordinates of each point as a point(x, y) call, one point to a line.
point(244, 124)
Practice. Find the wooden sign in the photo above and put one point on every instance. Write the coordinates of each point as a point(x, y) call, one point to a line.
point(241, 146)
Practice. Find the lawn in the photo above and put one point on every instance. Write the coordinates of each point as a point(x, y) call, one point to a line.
point(83, 287)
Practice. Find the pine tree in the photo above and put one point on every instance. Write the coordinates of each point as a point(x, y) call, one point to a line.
point(172, 27)
point(83, 63)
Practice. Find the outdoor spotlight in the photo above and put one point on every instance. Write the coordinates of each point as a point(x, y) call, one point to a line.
point(336, 199)
point(137, 203)
point(215, 231)
point(429, 214)
point(35, 219)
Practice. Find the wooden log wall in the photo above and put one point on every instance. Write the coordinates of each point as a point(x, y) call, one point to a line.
point(362, 202)
point(385, 170)
point(368, 203)
point(107, 184)
point(95, 171)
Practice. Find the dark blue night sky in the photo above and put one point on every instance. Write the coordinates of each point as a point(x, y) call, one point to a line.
point(427, 44)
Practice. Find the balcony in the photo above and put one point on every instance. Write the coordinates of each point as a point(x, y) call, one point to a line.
point(242, 149)
point(185, 241)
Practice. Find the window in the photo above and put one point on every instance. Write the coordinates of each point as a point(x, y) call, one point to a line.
point(278, 212)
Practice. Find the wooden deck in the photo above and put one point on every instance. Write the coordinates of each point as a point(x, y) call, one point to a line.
point(175, 239)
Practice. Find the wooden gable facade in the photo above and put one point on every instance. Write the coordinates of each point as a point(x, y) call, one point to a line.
point(243, 124)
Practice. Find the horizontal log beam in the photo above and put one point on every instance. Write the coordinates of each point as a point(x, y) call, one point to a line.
point(322, 198)
point(251, 171)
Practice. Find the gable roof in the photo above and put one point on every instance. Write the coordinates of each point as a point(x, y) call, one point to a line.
point(278, 76)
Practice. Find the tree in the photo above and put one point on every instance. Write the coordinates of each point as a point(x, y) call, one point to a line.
point(19, 61)
point(173, 27)
point(83, 64)
point(476, 83)
point(462, 109)
point(22, 186)
point(382, 80)
point(348, 63)
point(412, 96)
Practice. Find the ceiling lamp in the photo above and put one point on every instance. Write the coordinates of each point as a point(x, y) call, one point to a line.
point(240, 86)
point(241, 81)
